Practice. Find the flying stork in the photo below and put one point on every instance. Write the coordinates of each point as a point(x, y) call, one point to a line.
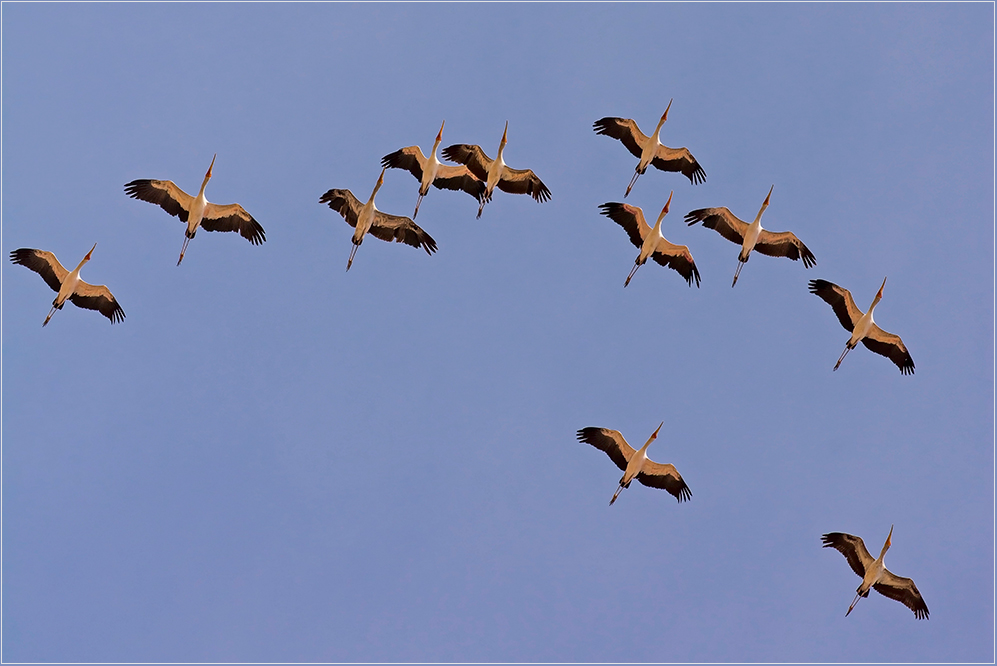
point(862, 326)
point(197, 211)
point(650, 241)
point(68, 283)
point(874, 573)
point(636, 464)
point(431, 172)
point(752, 236)
point(650, 149)
point(366, 217)
point(496, 173)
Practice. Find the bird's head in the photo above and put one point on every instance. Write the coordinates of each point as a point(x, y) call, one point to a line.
point(664, 211)
point(90, 253)
point(505, 134)
point(664, 116)
point(439, 135)
point(879, 294)
point(654, 435)
point(207, 176)
point(765, 204)
point(889, 542)
point(380, 180)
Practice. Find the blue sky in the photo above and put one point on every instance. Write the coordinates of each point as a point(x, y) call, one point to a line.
point(273, 460)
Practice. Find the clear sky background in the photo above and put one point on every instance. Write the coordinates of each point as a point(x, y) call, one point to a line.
point(272, 459)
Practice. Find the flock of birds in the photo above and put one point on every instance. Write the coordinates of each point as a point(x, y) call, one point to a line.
point(478, 175)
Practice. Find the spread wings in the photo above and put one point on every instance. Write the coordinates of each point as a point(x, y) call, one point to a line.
point(666, 477)
point(903, 590)
point(97, 297)
point(41, 262)
point(890, 346)
point(721, 220)
point(665, 158)
point(457, 178)
point(676, 257)
point(163, 193)
point(233, 217)
point(513, 181)
point(386, 227)
point(840, 300)
point(610, 441)
point(852, 547)
point(784, 244)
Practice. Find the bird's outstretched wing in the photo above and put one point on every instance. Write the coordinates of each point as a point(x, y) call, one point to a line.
point(679, 159)
point(409, 158)
point(402, 230)
point(523, 181)
point(784, 244)
point(344, 203)
point(473, 157)
point(42, 262)
point(624, 129)
point(233, 217)
point(459, 178)
point(678, 258)
point(666, 477)
point(721, 220)
point(890, 346)
point(840, 300)
point(610, 441)
point(903, 590)
point(163, 193)
point(631, 218)
point(97, 297)
point(852, 547)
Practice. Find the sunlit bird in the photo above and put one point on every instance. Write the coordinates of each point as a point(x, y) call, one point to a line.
point(429, 171)
point(874, 573)
point(862, 326)
point(197, 211)
point(636, 464)
point(650, 241)
point(495, 173)
point(650, 149)
point(366, 218)
point(752, 236)
point(68, 283)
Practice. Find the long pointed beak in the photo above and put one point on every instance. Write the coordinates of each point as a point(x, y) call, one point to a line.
point(880, 293)
point(655, 433)
point(505, 132)
point(87, 258)
point(210, 166)
point(768, 196)
point(380, 179)
point(664, 116)
point(664, 211)
point(888, 538)
point(439, 136)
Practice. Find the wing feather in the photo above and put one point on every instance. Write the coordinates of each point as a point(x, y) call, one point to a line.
point(473, 157)
point(666, 477)
point(233, 217)
point(523, 181)
point(631, 218)
point(903, 590)
point(41, 262)
point(609, 441)
point(163, 193)
point(97, 297)
point(784, 244)
point(721, 220)
point(344, 203)
point(678, 258)
point(840, 300)
point(679, 159)
point(852, 547)
point(409, 158)
point(401, 230)
point(459, 178)
point(624, 129)
point(890, 346)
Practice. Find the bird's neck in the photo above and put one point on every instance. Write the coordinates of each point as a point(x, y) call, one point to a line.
point(200, 193)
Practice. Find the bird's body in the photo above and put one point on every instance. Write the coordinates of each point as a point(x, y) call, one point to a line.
point(649, 149)
point(862, 325)
point(68, 284)
point(636, 464)
point(197, 211)
point(874, 573)
point(367, 218)
point(495, 173)
point(430, 171)
point(651, 241)
point(752, 236)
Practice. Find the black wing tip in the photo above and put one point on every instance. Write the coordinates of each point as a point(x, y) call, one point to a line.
point(816, 286)
point(695, 274)
point(698, 176)
point(117, 316)
point(694, 216)
point(133, 188)
point(20, 255)
point(684, 494)
point(584, 434)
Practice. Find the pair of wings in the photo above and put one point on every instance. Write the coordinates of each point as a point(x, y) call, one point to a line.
point(877, 340)
point(665, 159)
point(176, 202)
point(88, 296)
point(652, 474)
point(774, 244)
point(457, 178)
point(890, 585)
point(386, 227)
point(513, 181)
point(676, 257)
